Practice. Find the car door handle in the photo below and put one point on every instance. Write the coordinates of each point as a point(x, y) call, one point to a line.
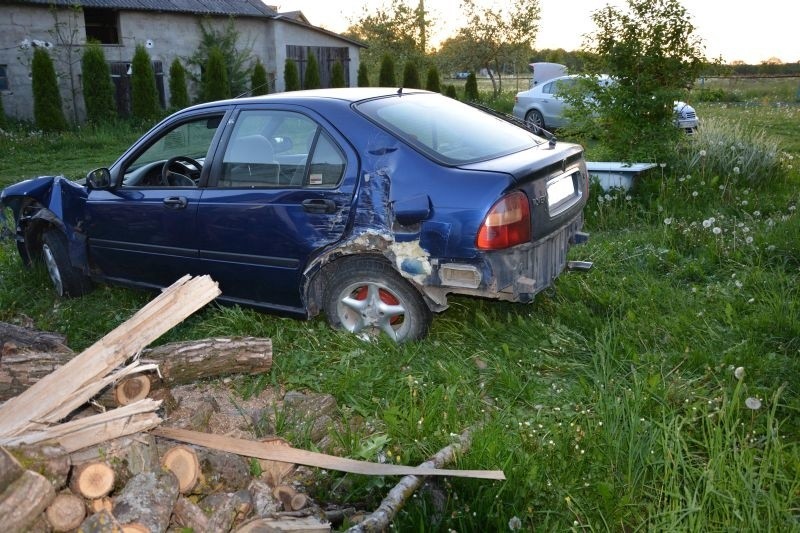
point(319, 206)
point(176, 202)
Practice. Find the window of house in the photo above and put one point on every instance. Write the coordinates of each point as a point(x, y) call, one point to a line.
point(4, 78)
point(101, 25)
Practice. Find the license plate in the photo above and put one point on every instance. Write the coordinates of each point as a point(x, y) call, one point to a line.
point(559, 189)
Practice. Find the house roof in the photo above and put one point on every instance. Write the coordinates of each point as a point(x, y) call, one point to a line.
point(248, 8)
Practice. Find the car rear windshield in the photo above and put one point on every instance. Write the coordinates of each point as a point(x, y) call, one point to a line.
point(447, 130)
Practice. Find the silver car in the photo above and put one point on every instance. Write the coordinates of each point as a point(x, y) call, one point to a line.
point(544, 105)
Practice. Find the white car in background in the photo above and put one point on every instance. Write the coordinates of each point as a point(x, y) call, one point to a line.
point(544, 105)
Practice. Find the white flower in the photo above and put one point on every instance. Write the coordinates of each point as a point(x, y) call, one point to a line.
point(662, 165)
point(744, 202)
point(753, 403)
point(756, 214)
point(515, 524)
point(712, 219)
point(717, 230)
point(707, 223)
point(628, 198)
point(749, 239)
point(694, 194)
point(736, 170)
point(702, 153)
point(667, 221)
point(608, 197)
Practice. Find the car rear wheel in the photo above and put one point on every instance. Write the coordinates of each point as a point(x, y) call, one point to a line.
point(369, 297)
point(67, 280)
point(535, 118)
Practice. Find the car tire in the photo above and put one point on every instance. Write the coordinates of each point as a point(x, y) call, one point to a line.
point(367, 296)
point(535, 118)
point(67, 280)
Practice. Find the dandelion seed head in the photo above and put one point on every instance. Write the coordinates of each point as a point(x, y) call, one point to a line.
point(515, 524)
point(753, 403)
point(717, 230)
point(707, 223)
point(668, 221)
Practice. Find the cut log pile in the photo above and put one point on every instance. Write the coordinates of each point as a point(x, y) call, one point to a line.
point(68, 466)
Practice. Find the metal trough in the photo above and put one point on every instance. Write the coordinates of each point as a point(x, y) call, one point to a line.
point(615, 173)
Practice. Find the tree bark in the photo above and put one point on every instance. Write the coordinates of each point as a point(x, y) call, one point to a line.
point(179, 363)
point(307, 524)
point(51, 461)
point(102, 522)
point(187, 514)
point(16, 338)
point(10, 469)
point(147, 499)
point(24, 500)
point(66, 512)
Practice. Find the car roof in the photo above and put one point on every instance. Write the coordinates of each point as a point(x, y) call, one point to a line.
point(349, 94)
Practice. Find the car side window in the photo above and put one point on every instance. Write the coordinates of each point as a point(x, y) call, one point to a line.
point(279, 149)
point(548, 88)
point(182, 149)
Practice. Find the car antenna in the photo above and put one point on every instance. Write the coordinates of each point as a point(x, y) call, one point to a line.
point(250, 92)
point(400, 91)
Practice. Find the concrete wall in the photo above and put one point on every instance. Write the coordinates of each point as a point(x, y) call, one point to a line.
point(21, 23)
point(171, 36)
point(287, 33)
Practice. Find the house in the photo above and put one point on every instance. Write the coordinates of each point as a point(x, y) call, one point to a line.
point(169, 29)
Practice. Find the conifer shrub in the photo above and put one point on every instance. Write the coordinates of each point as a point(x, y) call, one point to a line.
point(291, 77)
point(98, 89)
point(258, 79)
point(363, 75)
point(215, 77)
point(178, 94)
point(411, 76)
point(47, 111)
point(471, 88)
point(144, 95)
point(386, 78)
point(312, 73)
point(337, 75)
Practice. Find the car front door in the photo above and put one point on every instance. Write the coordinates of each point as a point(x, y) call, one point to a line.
point(280, 190)
point(142, 230)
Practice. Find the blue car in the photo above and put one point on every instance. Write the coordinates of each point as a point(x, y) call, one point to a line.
point(370, 205)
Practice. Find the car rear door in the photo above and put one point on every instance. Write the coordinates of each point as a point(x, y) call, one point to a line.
point(281, 189)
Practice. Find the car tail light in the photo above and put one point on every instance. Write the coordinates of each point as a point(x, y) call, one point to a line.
point(507, 224)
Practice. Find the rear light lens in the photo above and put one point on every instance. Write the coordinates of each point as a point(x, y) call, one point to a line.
point(507, 224)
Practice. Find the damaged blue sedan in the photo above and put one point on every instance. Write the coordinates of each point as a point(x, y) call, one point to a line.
point(370, 205)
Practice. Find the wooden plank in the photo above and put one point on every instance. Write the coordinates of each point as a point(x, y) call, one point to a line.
point(71, 385)
point(287, 454)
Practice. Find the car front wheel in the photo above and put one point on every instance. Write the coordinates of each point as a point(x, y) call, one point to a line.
point(535, 118)
point(369, 296)
point(67, 280)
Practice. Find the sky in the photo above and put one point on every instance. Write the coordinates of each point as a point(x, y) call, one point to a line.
point(734, 29)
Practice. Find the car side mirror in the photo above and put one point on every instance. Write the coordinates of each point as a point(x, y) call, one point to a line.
point(99, 178)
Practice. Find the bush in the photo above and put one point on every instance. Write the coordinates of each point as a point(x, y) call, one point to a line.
point(386, 77)
point(98, 89)
point(144, 95)
point(363, 76)
point(215, 77)
point(411, 76)
point(291, 78)
point(47, 111)
point(450, 91)
point(312, 74)
point(178, 94)
point(258, 80)
point(471, 88)
point(432, 83)
point(337, 75)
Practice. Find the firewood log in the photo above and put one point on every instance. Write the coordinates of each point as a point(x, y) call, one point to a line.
point(24, 500)
point(264, 503)
point(52, 462)
point(101, 522)
point(92, 480)
point(24, 339)
point(10, 469)
point(290, 498)
point(308, 524)
point(66, 512)
point(100, 504)
point(147, 500)
point(182, 461)
point(187, 514)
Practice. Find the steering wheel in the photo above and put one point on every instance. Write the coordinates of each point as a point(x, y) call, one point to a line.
point(176, 179)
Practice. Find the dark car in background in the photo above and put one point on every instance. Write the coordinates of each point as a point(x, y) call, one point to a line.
point(370, 205)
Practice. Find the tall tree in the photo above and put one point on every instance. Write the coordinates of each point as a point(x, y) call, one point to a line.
point(652, 52)
point(363, 75)
point(98, 89)
point(396, 29)
point(144, 94)
point(178, 94)
point(291, 78)
point(312, 80)
point(47, 111)
point(432, 82)
point(215, 77)
point(496, 37)
point(337, 75)
point(386, 77)
point(258, 80)
point(411, 76)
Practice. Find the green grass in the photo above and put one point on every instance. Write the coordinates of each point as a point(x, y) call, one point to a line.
point(611, 402)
